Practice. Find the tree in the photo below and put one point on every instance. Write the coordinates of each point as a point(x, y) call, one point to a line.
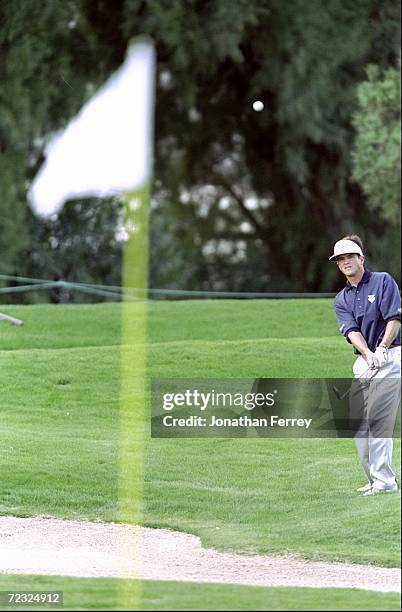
point(82, 244)
point(304, 60)
point(377, 152)
point(47, 65)
point(245, 200)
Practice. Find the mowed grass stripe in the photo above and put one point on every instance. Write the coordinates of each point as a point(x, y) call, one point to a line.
point(101, 594)
point(266, 358)
point(49, 326)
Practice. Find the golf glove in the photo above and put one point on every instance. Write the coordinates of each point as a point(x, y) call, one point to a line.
point(381, 356)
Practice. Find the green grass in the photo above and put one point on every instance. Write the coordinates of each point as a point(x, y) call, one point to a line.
point(212, 320)
point(59, 379)
point(102, 594)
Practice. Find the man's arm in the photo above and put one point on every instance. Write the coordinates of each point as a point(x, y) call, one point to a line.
point(391, 331)
point(358, 341)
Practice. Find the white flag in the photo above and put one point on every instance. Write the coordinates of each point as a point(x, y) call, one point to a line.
point(107, 148)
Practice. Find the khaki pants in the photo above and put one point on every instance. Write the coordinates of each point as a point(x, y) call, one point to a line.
point(376, 403)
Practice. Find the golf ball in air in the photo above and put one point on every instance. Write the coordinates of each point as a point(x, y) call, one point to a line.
point(258, 105)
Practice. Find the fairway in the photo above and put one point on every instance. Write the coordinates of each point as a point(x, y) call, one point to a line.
point(59, 377)
point(101, 594)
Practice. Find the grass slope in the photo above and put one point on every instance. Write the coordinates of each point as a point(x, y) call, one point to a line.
point(59, 376)
point(103, 594)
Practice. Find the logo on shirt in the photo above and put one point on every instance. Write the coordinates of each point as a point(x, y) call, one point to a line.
point(371, 298)
point(342, 327)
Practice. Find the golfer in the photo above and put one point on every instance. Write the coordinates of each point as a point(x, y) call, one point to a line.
point(368, 310)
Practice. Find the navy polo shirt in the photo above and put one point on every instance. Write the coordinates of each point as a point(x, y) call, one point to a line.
point(368, 307)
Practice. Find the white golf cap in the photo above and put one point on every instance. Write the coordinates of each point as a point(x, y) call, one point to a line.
point(345, 246)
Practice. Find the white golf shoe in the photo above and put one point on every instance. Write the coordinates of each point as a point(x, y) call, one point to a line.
point(376, 491)
point(366, 487)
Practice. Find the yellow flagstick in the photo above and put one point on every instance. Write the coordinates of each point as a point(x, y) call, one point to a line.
point(107, 150)
point(133, 423)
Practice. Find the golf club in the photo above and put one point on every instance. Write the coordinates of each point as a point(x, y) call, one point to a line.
point(340, 396)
